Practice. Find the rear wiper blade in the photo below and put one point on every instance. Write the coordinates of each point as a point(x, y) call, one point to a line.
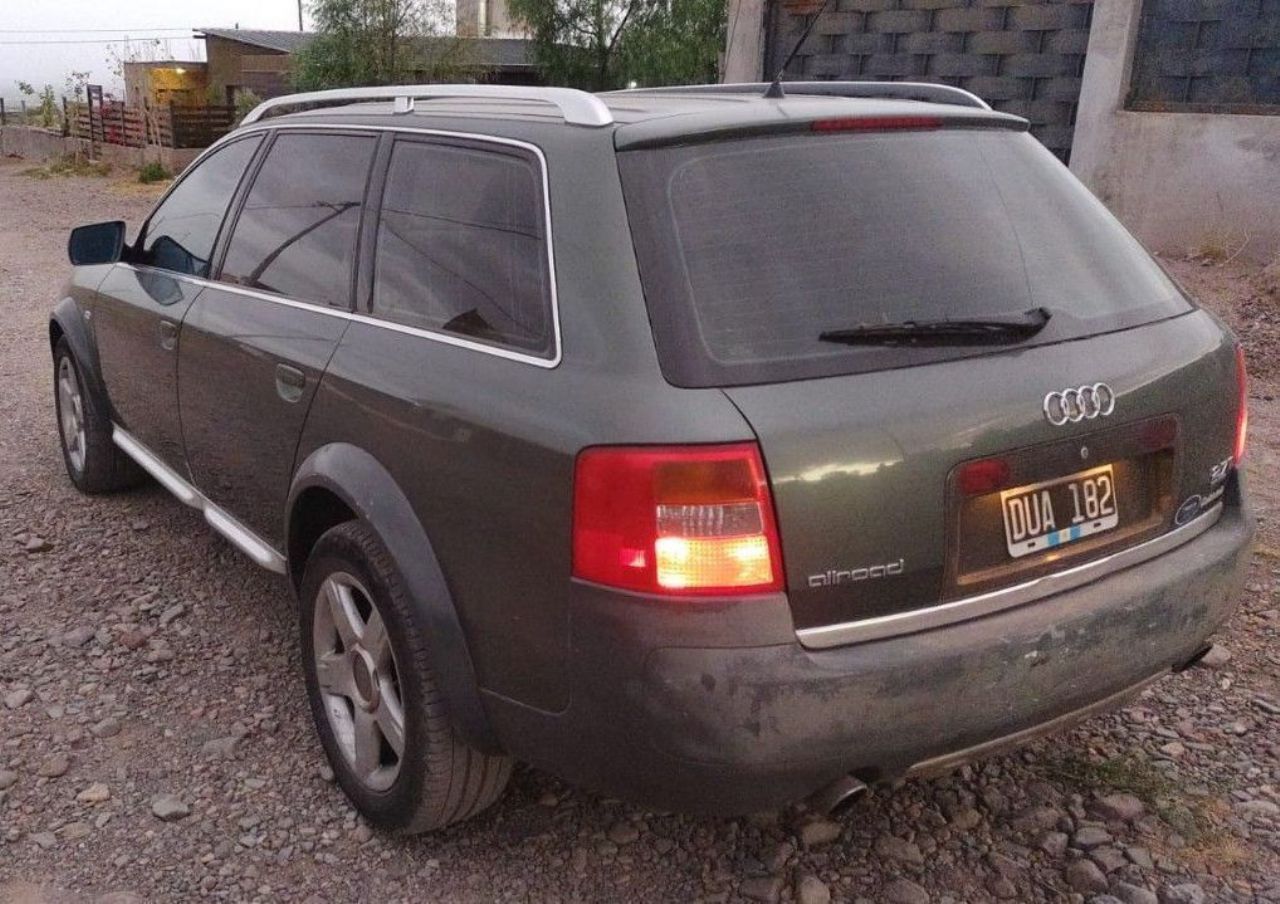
point(983, 331)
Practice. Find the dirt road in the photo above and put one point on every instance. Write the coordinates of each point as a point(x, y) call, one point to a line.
point(146, 667)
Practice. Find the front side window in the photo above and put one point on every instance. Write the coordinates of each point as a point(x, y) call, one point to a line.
point(461, 246)
point(296, 234)
point(180, 234)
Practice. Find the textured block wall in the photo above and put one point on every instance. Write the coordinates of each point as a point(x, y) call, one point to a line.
point(1020, 56)
point(1207, 56)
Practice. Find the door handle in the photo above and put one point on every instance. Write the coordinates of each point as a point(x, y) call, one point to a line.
point(168, 335)
point(289, 382)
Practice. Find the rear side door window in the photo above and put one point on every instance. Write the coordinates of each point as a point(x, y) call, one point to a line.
point(181, 232)
point(296, 232)
point(461, 246)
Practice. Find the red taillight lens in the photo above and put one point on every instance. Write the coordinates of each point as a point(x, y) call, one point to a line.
point(983, 476)
point(875, 124)
point(675, 519)
point(1158, 434)
point(1242, 409)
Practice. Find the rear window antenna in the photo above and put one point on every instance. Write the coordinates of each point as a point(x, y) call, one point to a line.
point(775, 87)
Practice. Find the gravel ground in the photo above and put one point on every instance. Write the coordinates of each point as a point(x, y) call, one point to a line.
point(156, 744)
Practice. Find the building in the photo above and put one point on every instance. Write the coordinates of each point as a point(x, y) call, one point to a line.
point(242, 60)
point(487, 19)
point(183, 83)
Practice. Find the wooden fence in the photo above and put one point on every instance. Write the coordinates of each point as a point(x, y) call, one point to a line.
point(199, 127)
point(172, 126)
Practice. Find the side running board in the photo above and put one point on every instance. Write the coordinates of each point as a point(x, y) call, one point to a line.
point(240, 536)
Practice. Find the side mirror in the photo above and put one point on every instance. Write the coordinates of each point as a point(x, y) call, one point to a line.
point(100, 243)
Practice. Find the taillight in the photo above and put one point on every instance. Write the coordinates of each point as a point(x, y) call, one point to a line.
point(983, 476)
point(876, 124)
point(675, 520)
point(1242, 406)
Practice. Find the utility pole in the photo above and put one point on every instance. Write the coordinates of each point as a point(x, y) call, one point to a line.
point(299, 15)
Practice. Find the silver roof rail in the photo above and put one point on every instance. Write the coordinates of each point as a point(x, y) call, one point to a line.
point(577, 107)
point(923, 91)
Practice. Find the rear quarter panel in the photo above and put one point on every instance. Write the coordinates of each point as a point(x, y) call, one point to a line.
point(484, 447)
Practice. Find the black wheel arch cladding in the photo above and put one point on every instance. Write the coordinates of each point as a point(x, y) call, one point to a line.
point(365, 486)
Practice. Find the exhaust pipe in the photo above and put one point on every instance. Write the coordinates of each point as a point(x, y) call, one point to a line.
point(837, 795)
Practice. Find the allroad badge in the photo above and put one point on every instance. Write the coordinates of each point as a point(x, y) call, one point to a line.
point(1071, 406)
point(834, 577)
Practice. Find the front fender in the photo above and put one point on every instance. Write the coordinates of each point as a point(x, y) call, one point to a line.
point(68, 321)
point(368, 489)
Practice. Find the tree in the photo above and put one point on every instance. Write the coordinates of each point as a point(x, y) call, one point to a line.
point(376, 42)
point(600, 44)
point(136, 51)
point(47, 106)
point(675, 43)
point(76, 84)
point(49, 113)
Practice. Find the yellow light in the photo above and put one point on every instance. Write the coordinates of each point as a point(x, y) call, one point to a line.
point(179, 70)
point(685, 562)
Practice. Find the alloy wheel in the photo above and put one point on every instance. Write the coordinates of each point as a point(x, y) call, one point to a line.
point(71, 414)
point(359, 682)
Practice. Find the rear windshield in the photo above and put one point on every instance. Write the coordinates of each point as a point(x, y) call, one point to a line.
point(749, 249)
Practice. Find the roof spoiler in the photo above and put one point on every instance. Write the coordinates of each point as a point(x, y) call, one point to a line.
point(922, 91)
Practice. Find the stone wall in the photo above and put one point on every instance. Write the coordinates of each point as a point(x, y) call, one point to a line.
point(1022, 56)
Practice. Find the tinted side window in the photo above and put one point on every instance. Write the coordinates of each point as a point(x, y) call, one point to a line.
point(460, 245)
point(296, 234)
point(180, 234)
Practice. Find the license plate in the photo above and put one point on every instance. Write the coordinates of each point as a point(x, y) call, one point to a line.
point(1050, 514)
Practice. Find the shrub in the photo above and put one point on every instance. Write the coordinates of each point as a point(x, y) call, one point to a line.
point(153, 172)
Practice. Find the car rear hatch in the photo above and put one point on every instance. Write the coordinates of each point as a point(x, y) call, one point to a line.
point(825, 278)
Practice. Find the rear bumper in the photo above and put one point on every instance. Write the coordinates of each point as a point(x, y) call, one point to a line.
point(701, 708)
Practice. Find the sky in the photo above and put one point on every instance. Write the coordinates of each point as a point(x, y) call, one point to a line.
point(42, 41)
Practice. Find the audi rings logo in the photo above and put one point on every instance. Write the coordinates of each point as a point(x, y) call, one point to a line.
point(1084, 403)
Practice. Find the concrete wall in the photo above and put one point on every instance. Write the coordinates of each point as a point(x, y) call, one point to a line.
point(486, 19)
point(1181, 181)
point(39, 145)
point(744, 50)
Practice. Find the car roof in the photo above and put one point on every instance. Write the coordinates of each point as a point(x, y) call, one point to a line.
point(643, 118)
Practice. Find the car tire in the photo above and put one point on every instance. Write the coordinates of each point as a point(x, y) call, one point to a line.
point(366, 661)
point(94, 463)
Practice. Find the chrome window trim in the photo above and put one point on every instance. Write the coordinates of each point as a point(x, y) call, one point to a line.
point(993, 601)
point(229, 138)
point(546, 363)
point(241, 537)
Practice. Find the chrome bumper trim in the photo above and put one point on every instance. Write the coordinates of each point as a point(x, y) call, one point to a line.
point(219, 519)
point(1006, 597)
